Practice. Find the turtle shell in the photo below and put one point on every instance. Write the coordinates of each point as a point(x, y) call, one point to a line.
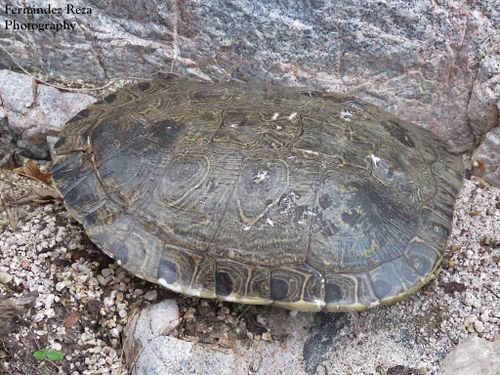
point(260, 194)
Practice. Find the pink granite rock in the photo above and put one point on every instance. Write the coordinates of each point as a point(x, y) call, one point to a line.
point(34, 110)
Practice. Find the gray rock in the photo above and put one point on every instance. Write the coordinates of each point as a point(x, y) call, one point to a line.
point(484, 104)
point(146, 325)
point(474, 356)
point(150, 350)
point(487, 158)
point(418, 59)
point(170, 356)
point(35, 111)
point(151, 295)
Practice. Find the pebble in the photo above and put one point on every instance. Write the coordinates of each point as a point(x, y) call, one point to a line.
point(151, 295)
point(109, 352)
point(471, 300)
point(106, 272)
point(5, 277)
point(102, 280)
point(114, 332)
point(60, 286)
point(479, 326)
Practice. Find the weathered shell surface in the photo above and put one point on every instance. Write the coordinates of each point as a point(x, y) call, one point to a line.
point(260, 194)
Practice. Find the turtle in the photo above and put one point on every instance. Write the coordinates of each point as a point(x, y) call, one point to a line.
point(260, 194)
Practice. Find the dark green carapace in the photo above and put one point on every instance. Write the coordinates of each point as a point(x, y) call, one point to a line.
point(260, 194)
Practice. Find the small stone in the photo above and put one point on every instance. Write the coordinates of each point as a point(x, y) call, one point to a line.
point(138, 292)
point(479, 326)
point(114, 332)
point(122, 313)
point(5, 277)
point(151, 295)
point(38, 317)
point(266, 336)
point(103, 281)
point(106, 272)
point(83, 268)
point(189, 314)
point(471, 300)
point(119, 296)
point(473, 356)
point(60, 286)
point(485, 316)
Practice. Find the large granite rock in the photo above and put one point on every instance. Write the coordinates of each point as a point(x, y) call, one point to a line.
point(487, 158)
point(474, 356)
point(433, 63)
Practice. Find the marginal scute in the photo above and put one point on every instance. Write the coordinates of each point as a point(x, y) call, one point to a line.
point(260, 194)
point(279, 289)
point(434, 228)
point(71, 169)
point(168, 271)
point(366, 295)
point(176, 267)
point(301, 286)
point(260, 283)
point(393, 278)
point(449, 177)
point(203, 280)
point(110, 237)
point(86, 192)
point(340, 291)
point(231, 278)
point(223, 284)
point(422, 257)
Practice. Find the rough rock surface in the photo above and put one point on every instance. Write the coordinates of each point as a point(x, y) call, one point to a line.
point(428, 62)
point(145, 327)
point(474, 356)
point(35, 110)
point(487, 158)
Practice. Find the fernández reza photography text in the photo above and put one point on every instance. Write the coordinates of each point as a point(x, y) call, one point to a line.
point(49, 10)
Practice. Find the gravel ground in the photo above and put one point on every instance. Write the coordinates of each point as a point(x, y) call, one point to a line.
point(57, 290)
